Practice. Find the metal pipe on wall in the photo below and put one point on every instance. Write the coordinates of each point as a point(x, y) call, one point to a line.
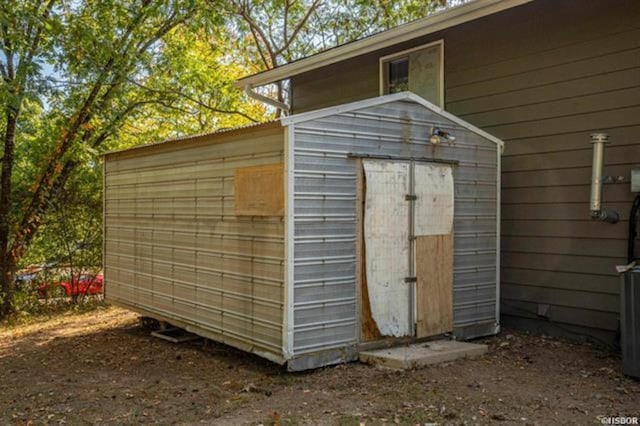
point(249, 90)
point(599, 140)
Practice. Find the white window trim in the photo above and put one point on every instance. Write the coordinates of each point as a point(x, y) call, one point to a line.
point(388, 58)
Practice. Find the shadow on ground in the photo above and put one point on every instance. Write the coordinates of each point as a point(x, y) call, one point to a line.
point(104, 367)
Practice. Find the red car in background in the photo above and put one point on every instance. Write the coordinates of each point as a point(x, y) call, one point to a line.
point(79, 285)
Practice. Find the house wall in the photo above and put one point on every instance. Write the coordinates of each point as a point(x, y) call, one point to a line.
point(325, 222)
point(176, 251)
point(542, 77)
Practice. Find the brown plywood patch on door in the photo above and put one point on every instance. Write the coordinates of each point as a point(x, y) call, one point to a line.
point(368, 328)
point(259, 190)
point(434, 288)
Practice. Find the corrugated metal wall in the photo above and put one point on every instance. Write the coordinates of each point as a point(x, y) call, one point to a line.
point(541, 77)
point(325, 313)
point(175, 249)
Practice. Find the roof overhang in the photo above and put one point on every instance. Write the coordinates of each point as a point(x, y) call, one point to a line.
point(437, 22)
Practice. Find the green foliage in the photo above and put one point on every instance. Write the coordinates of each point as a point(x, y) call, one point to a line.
point(71, 233)
point(277, 31)
point(83, 77)
point(55, 121)
point(270, 33)
point(192, 91)
point(30, 310)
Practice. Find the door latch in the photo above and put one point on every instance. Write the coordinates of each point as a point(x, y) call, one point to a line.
point(411, 279)
point(411, 197)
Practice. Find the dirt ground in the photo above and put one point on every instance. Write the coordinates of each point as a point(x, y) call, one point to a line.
point(103, 367)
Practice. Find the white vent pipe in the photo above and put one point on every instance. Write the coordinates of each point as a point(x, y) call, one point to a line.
point(257, 96)
point(599, 140)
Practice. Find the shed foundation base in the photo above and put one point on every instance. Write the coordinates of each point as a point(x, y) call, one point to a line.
point(421, 354)
point(323, 358)
point(175, 335)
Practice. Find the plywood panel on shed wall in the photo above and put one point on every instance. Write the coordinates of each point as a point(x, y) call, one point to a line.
point(434, 216)
point(259, 190)
point(176, 249)
point(542, 77)
point(434, 288)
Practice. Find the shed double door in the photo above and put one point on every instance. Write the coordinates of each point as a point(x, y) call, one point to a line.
point(407, 249)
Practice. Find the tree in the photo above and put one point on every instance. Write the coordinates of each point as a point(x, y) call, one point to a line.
point(275, 32)
point(274, 28)
point(93, 49)
point(69, 242)
point(79, 77)
point(193, 89)
point(24, 38)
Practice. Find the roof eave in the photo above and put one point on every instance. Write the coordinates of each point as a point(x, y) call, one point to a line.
point(421, 27)
point(197, 137)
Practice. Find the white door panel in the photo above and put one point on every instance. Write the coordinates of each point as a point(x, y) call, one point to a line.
point(434, 203)
point(386, 237)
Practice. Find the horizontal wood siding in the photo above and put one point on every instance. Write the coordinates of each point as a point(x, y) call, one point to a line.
point(542, 77)
point(567, 69)
point(175, 249)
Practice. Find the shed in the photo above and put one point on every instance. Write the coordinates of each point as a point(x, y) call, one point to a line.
point(306, 239)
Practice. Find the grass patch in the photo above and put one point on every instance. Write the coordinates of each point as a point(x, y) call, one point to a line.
point(349, 420)
point(275, 419)
point(53, 310)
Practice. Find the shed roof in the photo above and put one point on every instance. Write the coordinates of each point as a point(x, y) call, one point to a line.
point(312, 115)
point(380, 100)
point(436, 22)
point(200, 136)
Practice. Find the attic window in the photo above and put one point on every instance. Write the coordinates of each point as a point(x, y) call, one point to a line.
point(398, 80)
point(419, 70)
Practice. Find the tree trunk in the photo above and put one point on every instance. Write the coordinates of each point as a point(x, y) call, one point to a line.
point(7, 271)
point(7, 262)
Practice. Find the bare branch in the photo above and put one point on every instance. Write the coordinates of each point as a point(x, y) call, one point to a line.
point(285, 20)
point(194, 100)
point(256, 29)
point(267, 63)
point(298, 28)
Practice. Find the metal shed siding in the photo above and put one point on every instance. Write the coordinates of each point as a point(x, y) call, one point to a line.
point(325, 216)
point(541, 77)
point(176, 251)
